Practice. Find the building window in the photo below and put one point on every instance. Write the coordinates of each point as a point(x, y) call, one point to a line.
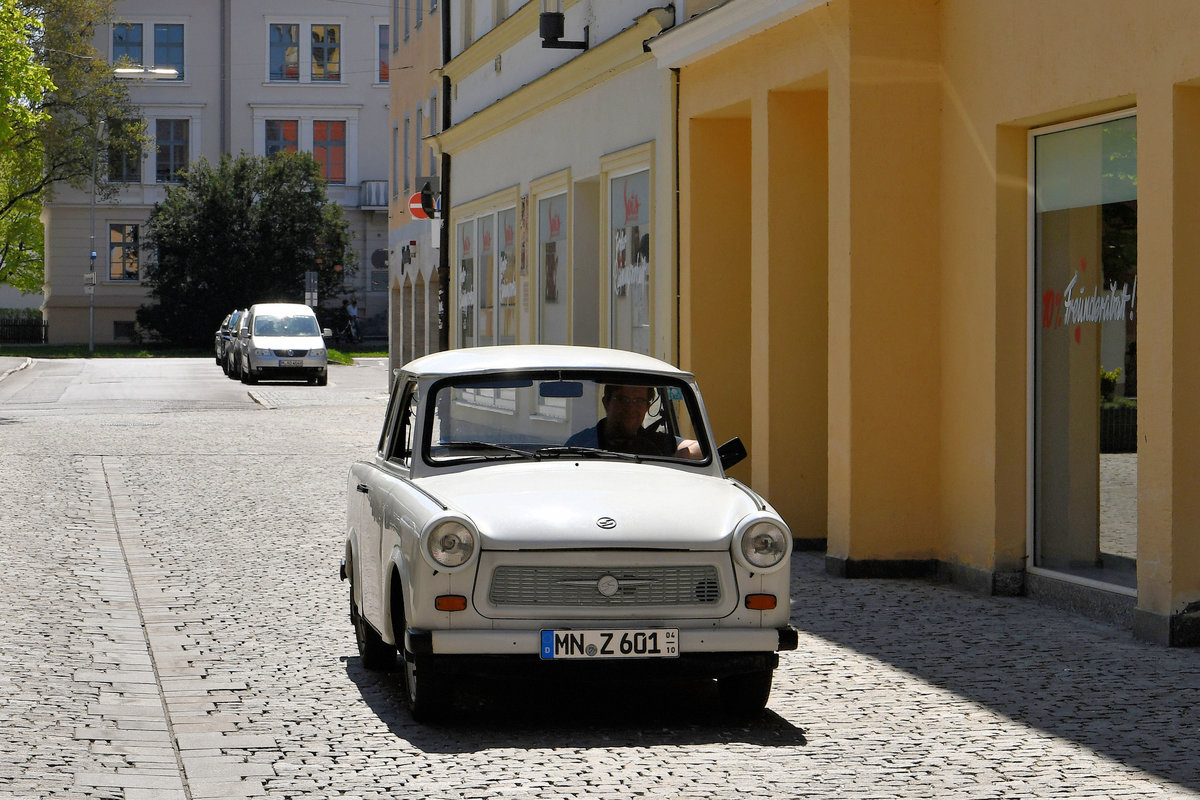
point(124, 165)
point(171, 136)
point(1085, 350)
point(122, 252)
point(329, 149)
point(285, 52)
point(395, 159)
point(466, 284)
point(506, 275)
point(418, 161)
point(420, 13)
point(384, 67)
point(407, 151)
point(282, 135)
point(127, 43)
point(168, 48)
point(629, 237)
point(552, 261)
point(433, 112)
point(407, 19)
point(326, 52)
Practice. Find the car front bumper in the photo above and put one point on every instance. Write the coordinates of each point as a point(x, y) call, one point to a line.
point(528, 642)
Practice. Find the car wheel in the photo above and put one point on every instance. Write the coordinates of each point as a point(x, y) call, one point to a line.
point(376, 654)
point(323, 380)
point(247, 378)
point(744, 695)
point(429, 692)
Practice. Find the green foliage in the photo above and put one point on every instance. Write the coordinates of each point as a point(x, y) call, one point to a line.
point(58, 89)
point(241, 232)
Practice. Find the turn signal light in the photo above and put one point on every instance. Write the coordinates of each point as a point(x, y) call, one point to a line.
point(761, 602)
point(456, 602)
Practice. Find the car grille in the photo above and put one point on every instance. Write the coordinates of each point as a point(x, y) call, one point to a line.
point(581, 586)
point(291, 353)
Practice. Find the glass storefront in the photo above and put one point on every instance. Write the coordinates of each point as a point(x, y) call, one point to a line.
point(1085, 350)
point(629, 215)
point(553, 261)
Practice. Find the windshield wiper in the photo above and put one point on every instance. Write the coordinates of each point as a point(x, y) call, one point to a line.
point(579, 450)
point(507, 449)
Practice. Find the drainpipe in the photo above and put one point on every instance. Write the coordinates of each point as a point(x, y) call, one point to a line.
point(444, 230)
point(226, 100)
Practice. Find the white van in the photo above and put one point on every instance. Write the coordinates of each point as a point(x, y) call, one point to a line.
point(283, 341)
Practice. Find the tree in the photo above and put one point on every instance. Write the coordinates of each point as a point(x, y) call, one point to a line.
point(58, 89)
point(241, 232)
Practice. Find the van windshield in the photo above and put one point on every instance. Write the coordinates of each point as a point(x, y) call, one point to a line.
point(298, 325)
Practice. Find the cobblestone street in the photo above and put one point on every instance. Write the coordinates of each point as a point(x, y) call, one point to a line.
point(172, 626)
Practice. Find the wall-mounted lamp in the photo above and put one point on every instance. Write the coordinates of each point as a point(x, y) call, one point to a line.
point(551, 25)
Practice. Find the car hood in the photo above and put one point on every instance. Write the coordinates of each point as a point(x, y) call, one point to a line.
point(288, 342)
point(594, 505)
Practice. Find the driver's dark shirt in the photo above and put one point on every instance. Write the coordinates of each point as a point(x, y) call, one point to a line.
point(643, 443)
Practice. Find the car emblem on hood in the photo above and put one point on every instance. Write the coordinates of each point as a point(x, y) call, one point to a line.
point(607, 523)
point(608, 586)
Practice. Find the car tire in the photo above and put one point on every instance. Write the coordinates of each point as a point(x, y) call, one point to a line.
point(323, 380)
point(746, 694)
point(247, 378)
point(428, 691)
point(375, 653)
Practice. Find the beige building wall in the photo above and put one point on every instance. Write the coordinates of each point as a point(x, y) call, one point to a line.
point(883, 363)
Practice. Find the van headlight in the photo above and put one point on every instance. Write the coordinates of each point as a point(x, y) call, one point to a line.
point(449, 544)
point(317, 352)
point(762, 544)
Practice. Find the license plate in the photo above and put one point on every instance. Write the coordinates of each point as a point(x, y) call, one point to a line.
point(621, 643)
point(291, 363)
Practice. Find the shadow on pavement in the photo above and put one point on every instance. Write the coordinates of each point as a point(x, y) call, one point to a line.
point(505, 714)
point(1063, 674)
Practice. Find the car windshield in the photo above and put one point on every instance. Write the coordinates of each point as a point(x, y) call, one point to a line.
point(627, 416)
point(297, 325)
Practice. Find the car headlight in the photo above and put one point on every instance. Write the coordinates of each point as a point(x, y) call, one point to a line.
point(449, 544)
point(318, 352)
point(259, 351)
point(762, 544)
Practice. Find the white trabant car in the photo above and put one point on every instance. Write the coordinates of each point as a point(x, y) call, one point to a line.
point(561, 509)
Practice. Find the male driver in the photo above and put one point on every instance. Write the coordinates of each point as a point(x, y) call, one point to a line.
point(621, 430)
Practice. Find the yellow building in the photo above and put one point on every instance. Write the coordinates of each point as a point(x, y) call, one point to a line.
point(920, 242)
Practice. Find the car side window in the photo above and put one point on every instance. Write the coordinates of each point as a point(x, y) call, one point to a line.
point(401, 446)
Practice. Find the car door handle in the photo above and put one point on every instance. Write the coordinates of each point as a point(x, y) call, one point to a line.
point(362, 487)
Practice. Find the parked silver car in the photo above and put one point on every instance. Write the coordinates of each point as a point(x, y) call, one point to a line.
point(561, 511)
point(282, 341)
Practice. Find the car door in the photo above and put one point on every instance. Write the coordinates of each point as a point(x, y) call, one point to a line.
point(395, 448)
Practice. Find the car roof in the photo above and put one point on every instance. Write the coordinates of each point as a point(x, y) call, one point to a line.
point(280, 308)
point(504, 358)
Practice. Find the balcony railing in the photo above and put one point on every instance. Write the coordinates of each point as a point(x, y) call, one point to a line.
point(373, 195)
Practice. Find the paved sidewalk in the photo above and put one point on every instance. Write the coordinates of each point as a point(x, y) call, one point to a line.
point(172, 627)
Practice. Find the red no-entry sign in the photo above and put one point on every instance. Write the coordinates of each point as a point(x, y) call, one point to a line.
point(414, 207)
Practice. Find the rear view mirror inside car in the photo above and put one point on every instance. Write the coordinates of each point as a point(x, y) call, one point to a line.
point(561, 389)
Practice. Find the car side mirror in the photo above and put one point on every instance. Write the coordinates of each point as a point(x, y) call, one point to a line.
point(327, 332)
point(731, 452)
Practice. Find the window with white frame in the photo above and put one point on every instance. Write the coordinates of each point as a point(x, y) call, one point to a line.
point(171, 149)
point(129, 45)
point(289, 62)
point(383, 35)
point(282, 135)
point(284, 56)
point(124, 166)
point(487, 260)
point(329, 149)
point(123, 255)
